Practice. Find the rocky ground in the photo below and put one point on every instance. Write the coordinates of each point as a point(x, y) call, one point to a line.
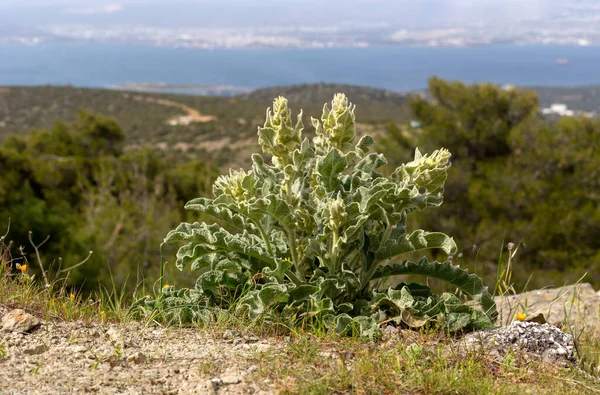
point(40, 357)
point(577, 305)
point(73, 357)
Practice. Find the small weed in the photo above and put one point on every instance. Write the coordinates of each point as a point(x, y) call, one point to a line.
point(208, 367)
point(118, 352)
point(36, 370)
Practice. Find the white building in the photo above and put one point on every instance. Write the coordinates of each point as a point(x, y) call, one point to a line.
point(558, 109)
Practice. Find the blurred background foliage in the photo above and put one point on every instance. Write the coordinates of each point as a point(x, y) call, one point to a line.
point(99, 182)
point(515, 177)
point(76, 184)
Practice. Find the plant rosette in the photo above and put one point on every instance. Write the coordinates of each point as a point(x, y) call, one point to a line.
point(307, 235)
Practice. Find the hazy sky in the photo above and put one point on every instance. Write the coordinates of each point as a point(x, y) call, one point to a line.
point(188, 13)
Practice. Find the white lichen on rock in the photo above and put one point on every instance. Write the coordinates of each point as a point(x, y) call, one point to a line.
point(532, 339)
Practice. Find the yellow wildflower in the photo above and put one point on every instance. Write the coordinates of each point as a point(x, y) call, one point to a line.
point(22, 268)
point(102, 313)
point(72, 296)
point(521, 316)
point(167, 285)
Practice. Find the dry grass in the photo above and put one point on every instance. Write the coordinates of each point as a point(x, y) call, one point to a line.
point(312, 361)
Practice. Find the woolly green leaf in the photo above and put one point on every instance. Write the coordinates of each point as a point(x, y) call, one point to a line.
point(469, 284)
point(339, 124)
point(223, 213)
point(278, 137)
point(365, 169)
point(272, 206)
point(361, 326)
point(364, 144)
point(303, 292)
point(329, 168)
point(258, 302)
point(418, 240)
point(206, 239)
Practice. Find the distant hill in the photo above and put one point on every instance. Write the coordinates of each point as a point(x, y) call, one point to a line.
point(583, 98)
point(217, 127)
point(373, 105)
point(222, 129)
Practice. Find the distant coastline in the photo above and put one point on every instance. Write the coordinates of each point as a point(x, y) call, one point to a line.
point(230, 71)
point(183, 89)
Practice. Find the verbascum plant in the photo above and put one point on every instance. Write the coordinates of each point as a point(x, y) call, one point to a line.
point(306, 236)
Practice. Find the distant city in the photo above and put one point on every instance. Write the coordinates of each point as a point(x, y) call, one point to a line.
point(553, 22)
point(307, 37)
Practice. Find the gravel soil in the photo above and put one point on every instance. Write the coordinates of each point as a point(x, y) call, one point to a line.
point(63, 357)
point(77, 357)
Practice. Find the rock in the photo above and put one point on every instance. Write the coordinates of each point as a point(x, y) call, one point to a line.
point(19, 321)
point(78, 349)
point(34, 350)
point(231, 334)
point(207, 388)
point(534, 340)
point(137, 357)
point(261, 348)
point(229, 379)
point(578, 303)
point(216, 383)
point(114, 335)
point(251, 339)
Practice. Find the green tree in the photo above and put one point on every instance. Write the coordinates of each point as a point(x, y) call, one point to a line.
point(514, 177)
point(76, 184)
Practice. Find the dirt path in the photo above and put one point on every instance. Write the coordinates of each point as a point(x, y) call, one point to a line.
point(77, 357)
point(192, 115)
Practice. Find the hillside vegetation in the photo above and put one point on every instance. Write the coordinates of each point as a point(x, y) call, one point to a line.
point(114, 179)
point(302, 249)
point(155, 119)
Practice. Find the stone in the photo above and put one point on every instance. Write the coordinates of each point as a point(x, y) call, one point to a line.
point(229, 379)
point(207, 388)
point(216, 383)
point(231, 334)
point(137, 357)
point(37, 349)
point(78, 349)
point(579, 304)
point(19, 321)
point(262, 348)
point(115, 335)
point(535, 340)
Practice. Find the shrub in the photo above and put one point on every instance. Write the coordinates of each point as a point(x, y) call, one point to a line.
point(308, 235)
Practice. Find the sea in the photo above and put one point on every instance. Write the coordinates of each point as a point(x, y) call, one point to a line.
point(392, 67)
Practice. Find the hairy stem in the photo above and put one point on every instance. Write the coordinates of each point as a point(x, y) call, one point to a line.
point(291, 238)
point(265, 237)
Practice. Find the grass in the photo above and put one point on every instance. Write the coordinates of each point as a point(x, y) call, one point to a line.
point(313, 365)
point(311, 360)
